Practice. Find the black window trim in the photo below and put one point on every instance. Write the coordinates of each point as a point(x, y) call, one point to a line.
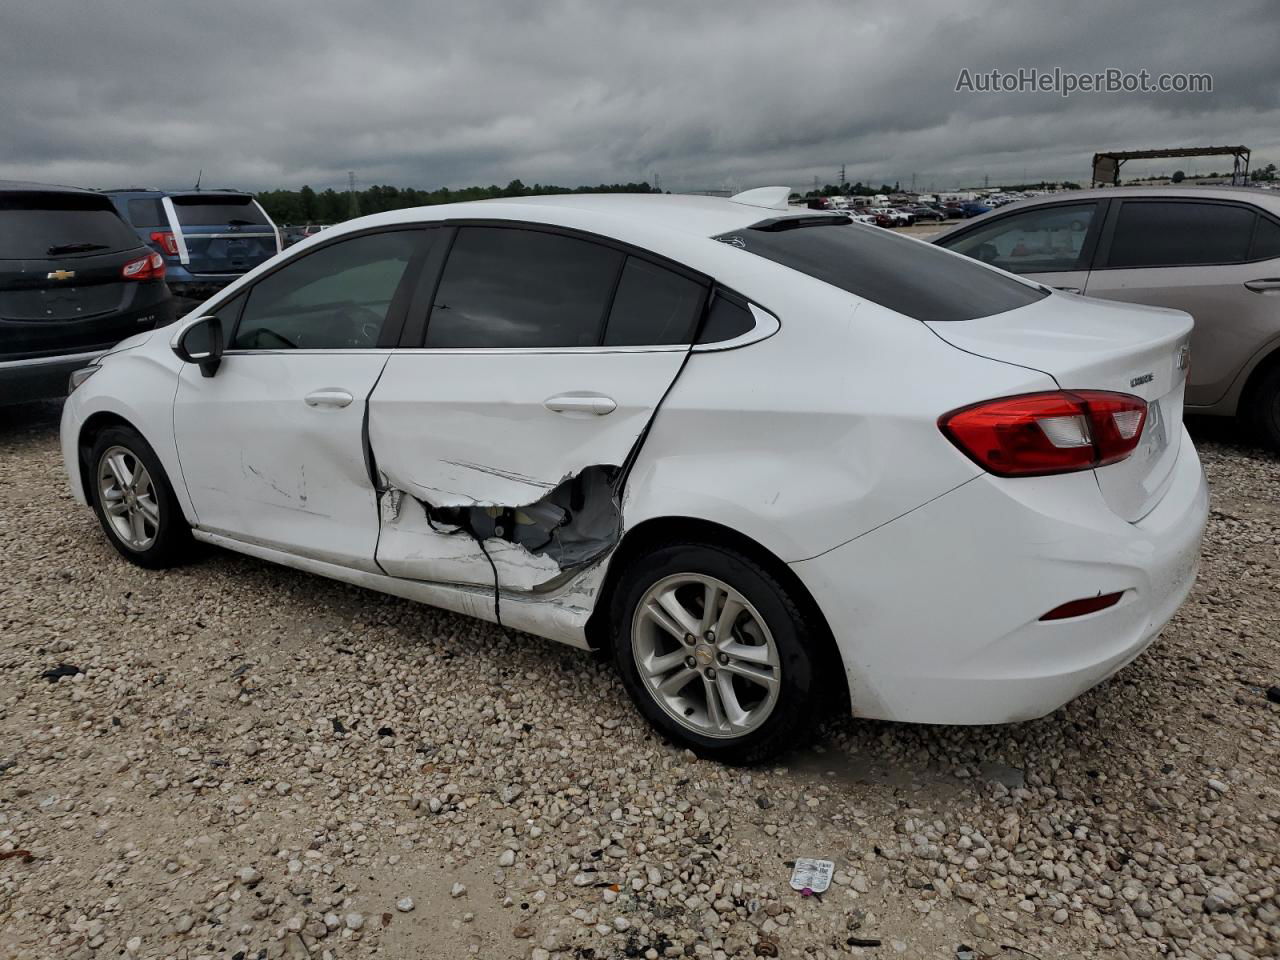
point(392, 325)
point(1089, 249)
point(1113, 215)
point(424, 295)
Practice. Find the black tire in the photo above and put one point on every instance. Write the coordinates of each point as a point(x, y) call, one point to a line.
point(171, 543)
point(801, 702)
point(1266, 408)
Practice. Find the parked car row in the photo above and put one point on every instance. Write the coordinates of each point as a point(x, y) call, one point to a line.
point(81, 270)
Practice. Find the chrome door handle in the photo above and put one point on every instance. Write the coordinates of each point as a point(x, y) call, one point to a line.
point(328, 397)
point(593, 403)
point(1266, 285)
point(1068, 289)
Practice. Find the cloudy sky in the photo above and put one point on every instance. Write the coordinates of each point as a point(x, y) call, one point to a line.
point(704, 93)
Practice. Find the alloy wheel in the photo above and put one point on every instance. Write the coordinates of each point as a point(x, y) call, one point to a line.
point(705, 655)
point(128, 498)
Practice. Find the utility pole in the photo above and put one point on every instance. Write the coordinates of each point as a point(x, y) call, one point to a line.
point(657, 183)
point(815, 183)
point(353, 205)
point(913, 183)
point(843, 181)
point(986, 181)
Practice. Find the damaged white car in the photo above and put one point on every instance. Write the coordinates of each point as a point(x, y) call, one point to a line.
point(772, 466)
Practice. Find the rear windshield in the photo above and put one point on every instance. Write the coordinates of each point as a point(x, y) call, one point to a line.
point(36, 226)
point(912, 278)
point(219, 211)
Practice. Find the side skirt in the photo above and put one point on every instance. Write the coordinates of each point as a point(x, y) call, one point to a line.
point(560, 615)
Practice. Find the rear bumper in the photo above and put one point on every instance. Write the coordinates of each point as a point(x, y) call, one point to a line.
point(41, 378)
point(937, 613)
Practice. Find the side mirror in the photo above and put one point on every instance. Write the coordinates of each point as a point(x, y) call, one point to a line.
point(199, 341)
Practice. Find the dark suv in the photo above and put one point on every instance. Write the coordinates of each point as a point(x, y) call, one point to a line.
point(74, 281)
point(207, 237)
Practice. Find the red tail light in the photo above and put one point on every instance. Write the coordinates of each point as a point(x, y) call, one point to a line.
point(1043, 433)
point(166, 240)
point(150, 267)
point(1087, 605)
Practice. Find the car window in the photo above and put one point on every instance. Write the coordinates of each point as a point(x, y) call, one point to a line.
point(35, 225)
point(1266, 240)
point(1179, 234)
point(913, 278)
point(147, 213)
point(1044, 240)
point(506, 287)
point(333, 298)
point(726, 320)
point(653, 305)
point(218, 211)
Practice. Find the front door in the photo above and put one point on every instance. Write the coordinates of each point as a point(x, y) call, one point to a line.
point(499, 442)
point(271, 446)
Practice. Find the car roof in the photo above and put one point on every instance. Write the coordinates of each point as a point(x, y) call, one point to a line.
point(632, 217)
point(30, 186)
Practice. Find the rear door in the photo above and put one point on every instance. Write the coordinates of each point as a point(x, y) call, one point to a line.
point(1211, 258)
point(62, 289)
point(272, 446)
point(499, 433)
point(1050, 244)
point(221, 233)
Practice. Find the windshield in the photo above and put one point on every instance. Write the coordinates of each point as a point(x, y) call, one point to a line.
point(36, 226)
point(907, 276)
point(218, 211)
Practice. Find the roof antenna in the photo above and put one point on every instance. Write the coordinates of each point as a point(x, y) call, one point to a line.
point(199, 176)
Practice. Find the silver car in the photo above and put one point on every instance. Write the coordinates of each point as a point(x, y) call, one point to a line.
point(1213, 252)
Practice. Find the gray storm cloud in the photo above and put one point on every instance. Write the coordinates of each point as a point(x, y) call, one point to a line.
point(281, 93)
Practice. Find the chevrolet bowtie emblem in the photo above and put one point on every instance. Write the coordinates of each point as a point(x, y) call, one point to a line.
point(60, 275)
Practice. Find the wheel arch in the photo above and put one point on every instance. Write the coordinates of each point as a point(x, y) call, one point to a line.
point(93, 425)
point(1263, 367)
point(656, 531)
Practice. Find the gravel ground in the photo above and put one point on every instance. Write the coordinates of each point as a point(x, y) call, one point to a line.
point(250, 762)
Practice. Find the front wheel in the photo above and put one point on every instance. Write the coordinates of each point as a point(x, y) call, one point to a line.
point(716, 653)
point(134, 500)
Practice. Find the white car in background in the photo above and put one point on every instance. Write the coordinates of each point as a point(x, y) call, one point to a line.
point(773, 461)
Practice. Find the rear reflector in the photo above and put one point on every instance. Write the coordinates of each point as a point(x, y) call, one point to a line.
point(1078, 608)
point(1037, 434)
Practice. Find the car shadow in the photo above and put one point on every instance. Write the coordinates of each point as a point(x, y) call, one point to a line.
point(23, 420)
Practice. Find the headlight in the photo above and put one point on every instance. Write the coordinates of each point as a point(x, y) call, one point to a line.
point(80, 376)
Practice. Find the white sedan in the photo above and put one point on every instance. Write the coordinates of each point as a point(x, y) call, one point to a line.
point(772, 466)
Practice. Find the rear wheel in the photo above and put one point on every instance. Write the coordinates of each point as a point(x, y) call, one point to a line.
point(134, 500)
point(716, 654)
point(1266, 407)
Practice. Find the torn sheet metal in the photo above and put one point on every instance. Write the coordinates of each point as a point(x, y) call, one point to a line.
point(575, 523)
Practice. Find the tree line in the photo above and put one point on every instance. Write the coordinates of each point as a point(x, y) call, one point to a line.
point(331, 206)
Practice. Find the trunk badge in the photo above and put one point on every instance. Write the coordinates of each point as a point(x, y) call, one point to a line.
point(60, 275)
point(1184, 356)
point(1139, 381)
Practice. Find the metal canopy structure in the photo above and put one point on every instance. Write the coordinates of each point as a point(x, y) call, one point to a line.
point(1106, 166)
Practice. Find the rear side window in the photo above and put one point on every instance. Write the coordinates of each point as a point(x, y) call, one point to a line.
point(334, 298)
point(218, 211)
point(1266, 240)
point(1180, 234)
point(36, 226)
point(907, 276)
point(653, 305)
point(727, 319)
point(512, 288)
point(147, 213)
point(1043, 240)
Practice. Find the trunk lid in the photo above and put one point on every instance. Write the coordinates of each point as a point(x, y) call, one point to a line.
point(223, 233)
point(1095, 344)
